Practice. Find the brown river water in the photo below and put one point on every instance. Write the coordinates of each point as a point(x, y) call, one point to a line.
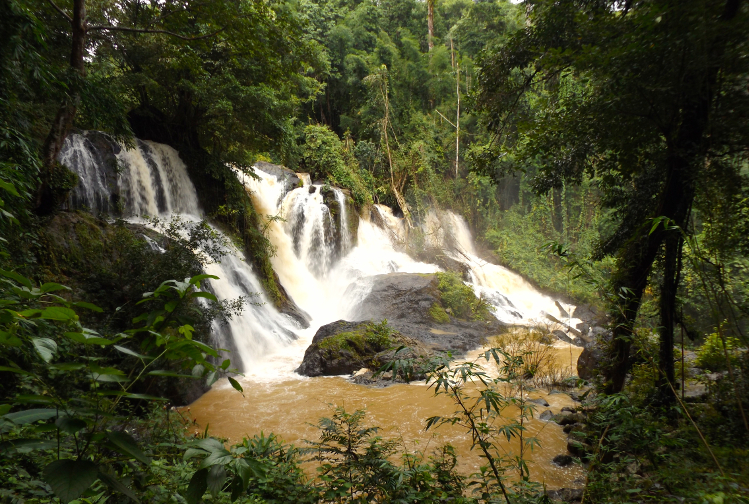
point(292, 407)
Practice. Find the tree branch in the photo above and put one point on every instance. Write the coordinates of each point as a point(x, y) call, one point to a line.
point(62, 12)
point(146, 30)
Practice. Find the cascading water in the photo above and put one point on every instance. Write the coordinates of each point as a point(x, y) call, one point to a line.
point(312, 264)
point(513, 299)
point(151, 180)
point(324, 265)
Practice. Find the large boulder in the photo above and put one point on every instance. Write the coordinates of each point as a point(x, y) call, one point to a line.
point(290, 179)
point(412, 304)
point(345, 347)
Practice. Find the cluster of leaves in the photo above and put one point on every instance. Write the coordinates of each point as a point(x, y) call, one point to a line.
point(85, 389)
point(712, 354)
point(326, 158)
point(459, 298)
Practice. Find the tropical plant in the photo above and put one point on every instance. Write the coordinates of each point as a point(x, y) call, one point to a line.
point(71, 394)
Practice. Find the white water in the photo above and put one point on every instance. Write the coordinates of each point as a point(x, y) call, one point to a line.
point(514, 300)
point(318, 264)
point(153, 182)
point(310, 270)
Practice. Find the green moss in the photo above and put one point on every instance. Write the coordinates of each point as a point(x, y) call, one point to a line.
point(368, 336)
point(438, 314)
point(460, 298)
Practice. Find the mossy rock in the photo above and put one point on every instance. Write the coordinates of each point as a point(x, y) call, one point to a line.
point(416, 306)
point(344, 347)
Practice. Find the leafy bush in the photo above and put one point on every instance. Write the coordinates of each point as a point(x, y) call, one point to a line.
point(325, 158)
point(70, 394)
point(711, 354)
point(459, 298)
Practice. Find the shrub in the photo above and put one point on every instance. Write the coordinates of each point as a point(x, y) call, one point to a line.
point(325, 158)
point(460, 298)
point(711, 354)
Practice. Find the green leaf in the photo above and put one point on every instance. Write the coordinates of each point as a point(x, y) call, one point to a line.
point(58, 313)
point(52, 287)
point(33, 399)
point(126, 445)
point(236, 488)
point(203, 294)
point(117, 485)
point(18, 278)
point(210, 444)
point(67, 366)
point(15, 370)
point(45, 347)
point(197, 487)
point(87, 340)
point(70, 425)
point(217, 457)
point(88, 306)
point(162, 372)
point(4, 408)
point(8, 187)
point(9, 339)
point(215, 479)
point(235, 384)
point(193, 452)
point(198, 278)
point(70, 478)
point(145, 397)
point(130, 352)
point(30, 415)
point(26, 445)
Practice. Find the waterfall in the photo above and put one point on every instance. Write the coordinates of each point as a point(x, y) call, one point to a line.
point(512, 298)
point(310, 271)
point(312, 265)
point(151, 180)
point(324, 265)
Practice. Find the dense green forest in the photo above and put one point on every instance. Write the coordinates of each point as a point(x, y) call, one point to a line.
point(600, 148)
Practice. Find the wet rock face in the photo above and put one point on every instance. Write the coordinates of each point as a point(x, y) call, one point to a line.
point(566, 495)
point(345, 347)
point(289, 178)
point(411, 303)
point(589, 362)
point(93, 156)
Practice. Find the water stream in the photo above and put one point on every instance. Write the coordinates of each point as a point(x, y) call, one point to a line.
point(324, 269)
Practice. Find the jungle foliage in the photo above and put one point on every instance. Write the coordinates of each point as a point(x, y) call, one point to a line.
point(598, 147)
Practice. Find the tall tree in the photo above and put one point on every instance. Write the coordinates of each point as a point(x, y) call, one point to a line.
point(643, 94)
point(430, 23)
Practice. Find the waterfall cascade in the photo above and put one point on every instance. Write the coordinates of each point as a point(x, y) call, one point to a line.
point(321, 266)
point(152, 181)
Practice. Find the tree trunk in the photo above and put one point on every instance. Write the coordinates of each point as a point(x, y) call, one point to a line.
point(430, 24)
point(636, 257)
point(45, 197)
point(457, 114)
point(671, 269)
point(557, 217)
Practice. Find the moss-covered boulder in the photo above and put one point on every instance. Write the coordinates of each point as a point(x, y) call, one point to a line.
point(437, 310)
point(344, 347)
